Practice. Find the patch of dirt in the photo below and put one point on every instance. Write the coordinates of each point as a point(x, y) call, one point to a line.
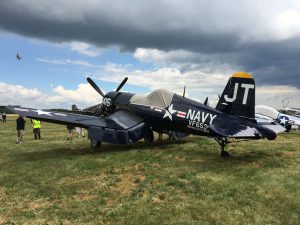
point(110, 202)
point(180, 158)
point(156, 165)
point(159, 197)
point(127, 183)
point(37, 204)
point(139, 167)
point(2, 192)
point(256, 164)
point(289, 154)
point(83, 196)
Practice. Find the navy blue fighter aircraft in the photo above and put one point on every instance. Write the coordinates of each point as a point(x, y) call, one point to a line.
point(124, 118)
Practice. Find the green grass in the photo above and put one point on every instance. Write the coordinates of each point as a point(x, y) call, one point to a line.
point(55, 181)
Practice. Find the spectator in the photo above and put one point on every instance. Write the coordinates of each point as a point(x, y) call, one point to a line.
point(70, 129)
point(36, 125)
point(4, 118)
point(80, 132)
point(20, 129)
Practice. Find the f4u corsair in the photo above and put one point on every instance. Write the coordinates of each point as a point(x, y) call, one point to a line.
point(125, 118)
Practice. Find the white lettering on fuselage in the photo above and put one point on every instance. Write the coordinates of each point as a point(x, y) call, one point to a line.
point(199, 116)
point(199, 120)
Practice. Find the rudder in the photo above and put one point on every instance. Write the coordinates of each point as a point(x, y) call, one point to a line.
point(238, 97)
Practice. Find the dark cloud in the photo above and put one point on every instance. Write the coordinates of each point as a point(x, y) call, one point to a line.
point(274, 63)
point(129, 26)
point(222, 32)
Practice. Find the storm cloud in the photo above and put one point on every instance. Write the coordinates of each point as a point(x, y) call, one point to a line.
point(259, 37)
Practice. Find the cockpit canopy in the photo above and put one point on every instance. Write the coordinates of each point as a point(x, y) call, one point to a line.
point(266, 111)
point(159, 98)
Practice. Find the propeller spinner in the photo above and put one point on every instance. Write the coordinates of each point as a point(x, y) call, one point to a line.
point(106, 107)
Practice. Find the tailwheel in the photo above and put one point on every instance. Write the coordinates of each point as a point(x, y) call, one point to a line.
point(95, 145)
point(223, 143)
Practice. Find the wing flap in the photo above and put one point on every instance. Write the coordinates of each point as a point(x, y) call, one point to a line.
point(277, 128)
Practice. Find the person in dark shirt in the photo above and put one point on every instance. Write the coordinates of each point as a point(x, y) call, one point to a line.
point(4, 118)
point(20, 129)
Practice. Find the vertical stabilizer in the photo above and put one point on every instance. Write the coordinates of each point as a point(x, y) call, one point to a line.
point(238, 97)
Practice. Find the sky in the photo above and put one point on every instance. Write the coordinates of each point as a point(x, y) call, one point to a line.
point(156, 44)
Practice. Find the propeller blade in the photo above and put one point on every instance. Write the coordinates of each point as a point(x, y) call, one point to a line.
point(183, 92)
point(122, 84)
point(92, 83)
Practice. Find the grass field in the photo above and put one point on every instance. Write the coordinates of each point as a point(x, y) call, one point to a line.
point(55, 181)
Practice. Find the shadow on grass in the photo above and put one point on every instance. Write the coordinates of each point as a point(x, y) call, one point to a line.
point(203, 152)
point(73, 151)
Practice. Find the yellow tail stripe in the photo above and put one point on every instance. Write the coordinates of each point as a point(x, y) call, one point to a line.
point(242, 75)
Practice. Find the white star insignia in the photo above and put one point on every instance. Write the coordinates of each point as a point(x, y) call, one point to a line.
point(169, 112)
point(283, 120)
point(41, 112)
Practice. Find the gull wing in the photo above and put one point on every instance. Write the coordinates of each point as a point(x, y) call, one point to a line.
point(120, 127)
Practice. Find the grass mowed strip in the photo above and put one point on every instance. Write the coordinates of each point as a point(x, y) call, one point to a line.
point(56, 181)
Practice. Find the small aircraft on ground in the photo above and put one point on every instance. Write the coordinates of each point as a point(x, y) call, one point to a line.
point(266, 113)
point(124, 118)
point(291, 111)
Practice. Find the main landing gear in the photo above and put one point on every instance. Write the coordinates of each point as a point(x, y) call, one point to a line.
point(223, 142)
point(149, 138)
point(95, 145)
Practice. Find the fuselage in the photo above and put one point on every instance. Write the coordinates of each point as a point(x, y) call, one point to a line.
point(180, 114)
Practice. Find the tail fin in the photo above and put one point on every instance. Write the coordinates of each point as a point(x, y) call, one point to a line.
point(238, 97)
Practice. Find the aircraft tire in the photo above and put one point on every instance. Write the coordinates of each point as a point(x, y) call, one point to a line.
point(288, 128)
point(224, 154)
point(95, 145)
point(149, 138)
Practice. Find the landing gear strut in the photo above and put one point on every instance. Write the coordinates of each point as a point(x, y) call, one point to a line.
point(149, 138)
point(95, 145)
point(223, 142)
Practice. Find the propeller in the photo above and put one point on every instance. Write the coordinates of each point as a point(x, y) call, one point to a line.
point(92, 83)
point(183, 95)
point(122, 84)
point(100, 109)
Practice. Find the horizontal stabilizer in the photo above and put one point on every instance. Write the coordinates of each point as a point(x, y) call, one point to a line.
point(242, 131)
point(236, 131)
point(277, 128)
